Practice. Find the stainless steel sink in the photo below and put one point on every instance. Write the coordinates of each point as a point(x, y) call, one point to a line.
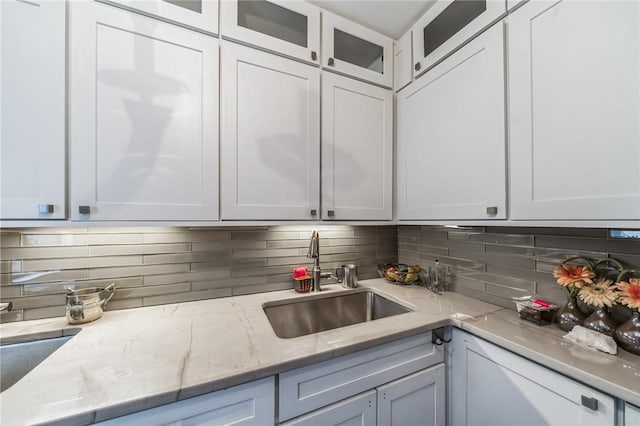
point(299, 317)
point(17, 359)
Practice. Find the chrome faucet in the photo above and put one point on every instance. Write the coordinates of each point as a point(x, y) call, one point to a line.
point(314, 253)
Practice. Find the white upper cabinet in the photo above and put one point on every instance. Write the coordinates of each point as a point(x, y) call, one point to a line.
point(402, 62)
point(32, 109)
point(198, 14)
point(451, 136)
point(357, 150)
point(349, 48)
point(270, 138)
point(574, 96)
point(448, 24)
point(290, 28)
point(143, 118)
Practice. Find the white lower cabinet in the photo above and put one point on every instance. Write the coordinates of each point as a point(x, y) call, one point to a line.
point(631, 415)
point(489, 385)
point(270, 136)
point(451, 153)
point(247, 404)
point(143, 117)
point(398, 383)
point(357, 150)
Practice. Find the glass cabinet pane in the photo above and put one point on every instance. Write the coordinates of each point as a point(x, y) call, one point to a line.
point(356, 51)
point(193, 5)
point(455, 17)
point(273, 20)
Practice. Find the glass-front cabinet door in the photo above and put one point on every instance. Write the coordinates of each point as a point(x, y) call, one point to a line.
point(290, 28)
point(198, 14)
point(357, 51)
point(447, 25)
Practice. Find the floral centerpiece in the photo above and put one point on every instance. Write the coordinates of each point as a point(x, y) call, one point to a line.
point(628, 334)
point(573, 278)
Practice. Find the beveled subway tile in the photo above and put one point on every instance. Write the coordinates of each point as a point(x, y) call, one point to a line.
point(39, 313)
point(214, 274)
point(13, 316)
point(436, 251)
point(210, 235)
point(551, 293)
point(513, 261)
point(23, 253)
point(250, 254)
point(10, 291)
point(235, 263)
point(43, 276)
point(509, 292)
point(516, 240)
point(228, 244)
point(116, 250)
point(568, 232)
point(185, 297)
point(227, 283)
point(513, 250)
point(129, 271)
point(589, 244)
point(294, 260)
point(36, 240)
point(261, 288)
point(172, 237)
point(80, 262)
point(10, 266)
point(115, 305)
point(265, 235)
point(289, 244)
point(154, 290)
point(10, 239)
point(269, 270)
point(62, 287)
point(38, 301)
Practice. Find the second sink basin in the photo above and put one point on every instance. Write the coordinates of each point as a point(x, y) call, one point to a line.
point(299, 317)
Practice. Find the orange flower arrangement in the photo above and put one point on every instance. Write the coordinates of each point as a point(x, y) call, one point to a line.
point(630, 293)
point(599, 294)
point(573, 277)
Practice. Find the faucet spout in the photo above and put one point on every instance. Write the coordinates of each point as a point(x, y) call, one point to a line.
point(314, 253)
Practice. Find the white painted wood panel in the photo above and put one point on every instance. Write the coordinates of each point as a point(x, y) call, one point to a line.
point(415, 399)
point(270, 147)
point(198, 14)
point(451, 136)
point(251, 403)
point(308, 50)
point(144, 117)
point(403, 61)
point(367, 37)
point(492, 386)
point(32, 109)
point(631, 415)
point(357, 149)
point(357, 411)
point(574, 119)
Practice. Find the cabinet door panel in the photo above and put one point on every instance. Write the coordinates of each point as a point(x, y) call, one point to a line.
point(143, 118)
point(415, 399)
point(403, 61)
point(451, 138)
point(357, 411)
point(32, 109)
point(574, 101)
point(357, 149)
point(631, 415)
point(270, 136)
point(519, 389)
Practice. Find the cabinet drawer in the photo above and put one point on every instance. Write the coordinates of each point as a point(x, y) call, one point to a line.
point(359, 410)
point(309, 388)
point(248, 404)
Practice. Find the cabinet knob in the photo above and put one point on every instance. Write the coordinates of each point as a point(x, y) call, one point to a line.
point(45, 208)
point(492, 210)
point(331, 213)
point(417, 66)
point(330, 61)
point(314, 55)
point(314, 212)
point(84, 209)
point(590, 403)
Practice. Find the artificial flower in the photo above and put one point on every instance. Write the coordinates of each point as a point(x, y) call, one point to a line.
point(630, 293)
point(600, 293)
point(573, 276)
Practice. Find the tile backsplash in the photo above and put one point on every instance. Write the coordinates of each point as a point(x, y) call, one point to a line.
point(153, 266)
point(495, 264)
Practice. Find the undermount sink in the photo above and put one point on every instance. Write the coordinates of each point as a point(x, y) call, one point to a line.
point(17, 359)
point(300, 317)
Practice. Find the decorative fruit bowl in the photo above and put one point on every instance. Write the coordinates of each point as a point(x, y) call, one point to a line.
point(399, 273)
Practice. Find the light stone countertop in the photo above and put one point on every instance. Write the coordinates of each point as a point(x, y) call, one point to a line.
point(130, 360)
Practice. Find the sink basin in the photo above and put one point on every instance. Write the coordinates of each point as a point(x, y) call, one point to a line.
point(299, 317)
point(17, 359)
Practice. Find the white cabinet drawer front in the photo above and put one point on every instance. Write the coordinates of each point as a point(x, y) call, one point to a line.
point(248, 404)
point(357, 149)
point(415, 399)
point(198, 14)
point(144, 117)
point(434, 36)
point(32, 111)
point(355, 50)
point(357, 411)
point(270, 147)
point(290, 28)
point(574, 97)
point(493, 386)
point(309, 388)
point(451, 155)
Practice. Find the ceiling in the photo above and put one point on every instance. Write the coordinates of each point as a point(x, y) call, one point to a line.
point(390, 17)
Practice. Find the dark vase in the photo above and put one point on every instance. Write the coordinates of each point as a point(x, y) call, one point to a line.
point(628, 334)
point(570, 315)
point(601, 321)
